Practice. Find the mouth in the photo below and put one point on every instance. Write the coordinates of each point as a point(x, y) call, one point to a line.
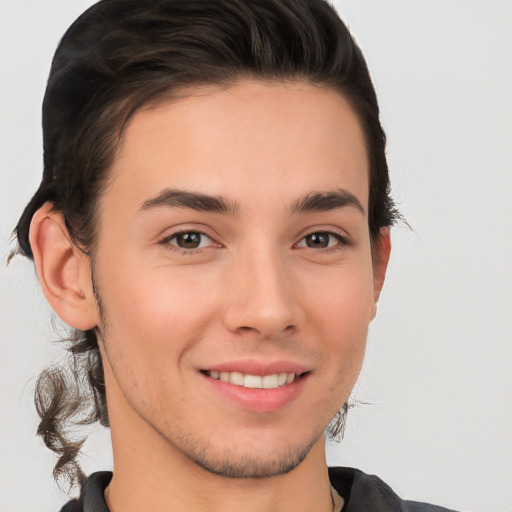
point(257, 386)
point(246, 380)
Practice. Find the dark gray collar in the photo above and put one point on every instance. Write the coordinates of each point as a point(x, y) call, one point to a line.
point(361, 492)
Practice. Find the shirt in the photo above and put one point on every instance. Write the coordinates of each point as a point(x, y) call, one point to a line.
point(362, 493)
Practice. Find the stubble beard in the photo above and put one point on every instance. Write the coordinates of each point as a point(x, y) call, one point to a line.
point(235, 463)
point(242, 463)
point(231, 463)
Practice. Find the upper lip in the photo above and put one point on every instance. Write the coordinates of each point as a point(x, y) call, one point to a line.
point(261, 368)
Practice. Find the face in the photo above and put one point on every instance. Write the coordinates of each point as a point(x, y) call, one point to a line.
point(234, 267)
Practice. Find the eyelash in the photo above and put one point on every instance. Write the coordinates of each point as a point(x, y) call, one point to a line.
point(342, 241)
point(185, 252)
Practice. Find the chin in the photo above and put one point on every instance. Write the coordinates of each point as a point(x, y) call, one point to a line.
point(253, 460)
point(252, 465)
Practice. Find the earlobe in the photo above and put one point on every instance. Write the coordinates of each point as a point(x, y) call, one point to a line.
point(381, 252)
point(63, 270)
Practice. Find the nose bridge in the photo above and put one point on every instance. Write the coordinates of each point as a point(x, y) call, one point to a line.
point(261, 297)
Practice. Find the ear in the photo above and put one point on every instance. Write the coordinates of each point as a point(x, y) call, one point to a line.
point(380, 256)
point(63, 270)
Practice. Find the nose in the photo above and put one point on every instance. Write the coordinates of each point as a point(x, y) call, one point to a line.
point(260, 297)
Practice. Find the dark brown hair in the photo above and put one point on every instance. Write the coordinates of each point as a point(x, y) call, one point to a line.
point(121, 55)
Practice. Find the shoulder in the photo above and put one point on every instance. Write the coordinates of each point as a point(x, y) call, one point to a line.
point(364, 492)
point(92, 498)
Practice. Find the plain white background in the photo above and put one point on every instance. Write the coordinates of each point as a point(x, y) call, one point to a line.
point(437, 381)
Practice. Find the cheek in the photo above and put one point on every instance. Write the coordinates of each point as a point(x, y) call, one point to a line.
point(152, 324)
point(155, 309)
point(343, 300)
point(339, 317)
point(339, 313)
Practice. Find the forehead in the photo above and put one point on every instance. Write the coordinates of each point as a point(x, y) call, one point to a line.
point(250, 138)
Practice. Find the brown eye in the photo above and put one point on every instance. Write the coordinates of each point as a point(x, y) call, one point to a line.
point(190, 240)
point(321, 240)
point(318, 240)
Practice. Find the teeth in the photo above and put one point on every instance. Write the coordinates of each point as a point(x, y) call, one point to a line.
point(270, 381)
point(237, 378)
point(254, 381)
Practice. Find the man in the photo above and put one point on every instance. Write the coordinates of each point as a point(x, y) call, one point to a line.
point(214, 221)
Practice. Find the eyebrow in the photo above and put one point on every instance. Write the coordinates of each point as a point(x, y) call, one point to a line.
point(312, 202)
point(325, 201)
point(173, 198)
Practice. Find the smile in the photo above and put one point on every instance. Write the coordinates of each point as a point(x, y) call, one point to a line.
point(257, 386)
point(254, 381)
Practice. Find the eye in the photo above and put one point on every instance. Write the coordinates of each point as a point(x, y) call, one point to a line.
point(322, 240)
point(189, 240)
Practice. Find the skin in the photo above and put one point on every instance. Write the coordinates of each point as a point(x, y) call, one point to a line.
point(260, 288)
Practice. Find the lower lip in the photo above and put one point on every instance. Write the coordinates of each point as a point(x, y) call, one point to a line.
point(259, 400)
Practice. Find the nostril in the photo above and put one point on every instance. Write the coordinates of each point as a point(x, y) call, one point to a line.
point(245, 329)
